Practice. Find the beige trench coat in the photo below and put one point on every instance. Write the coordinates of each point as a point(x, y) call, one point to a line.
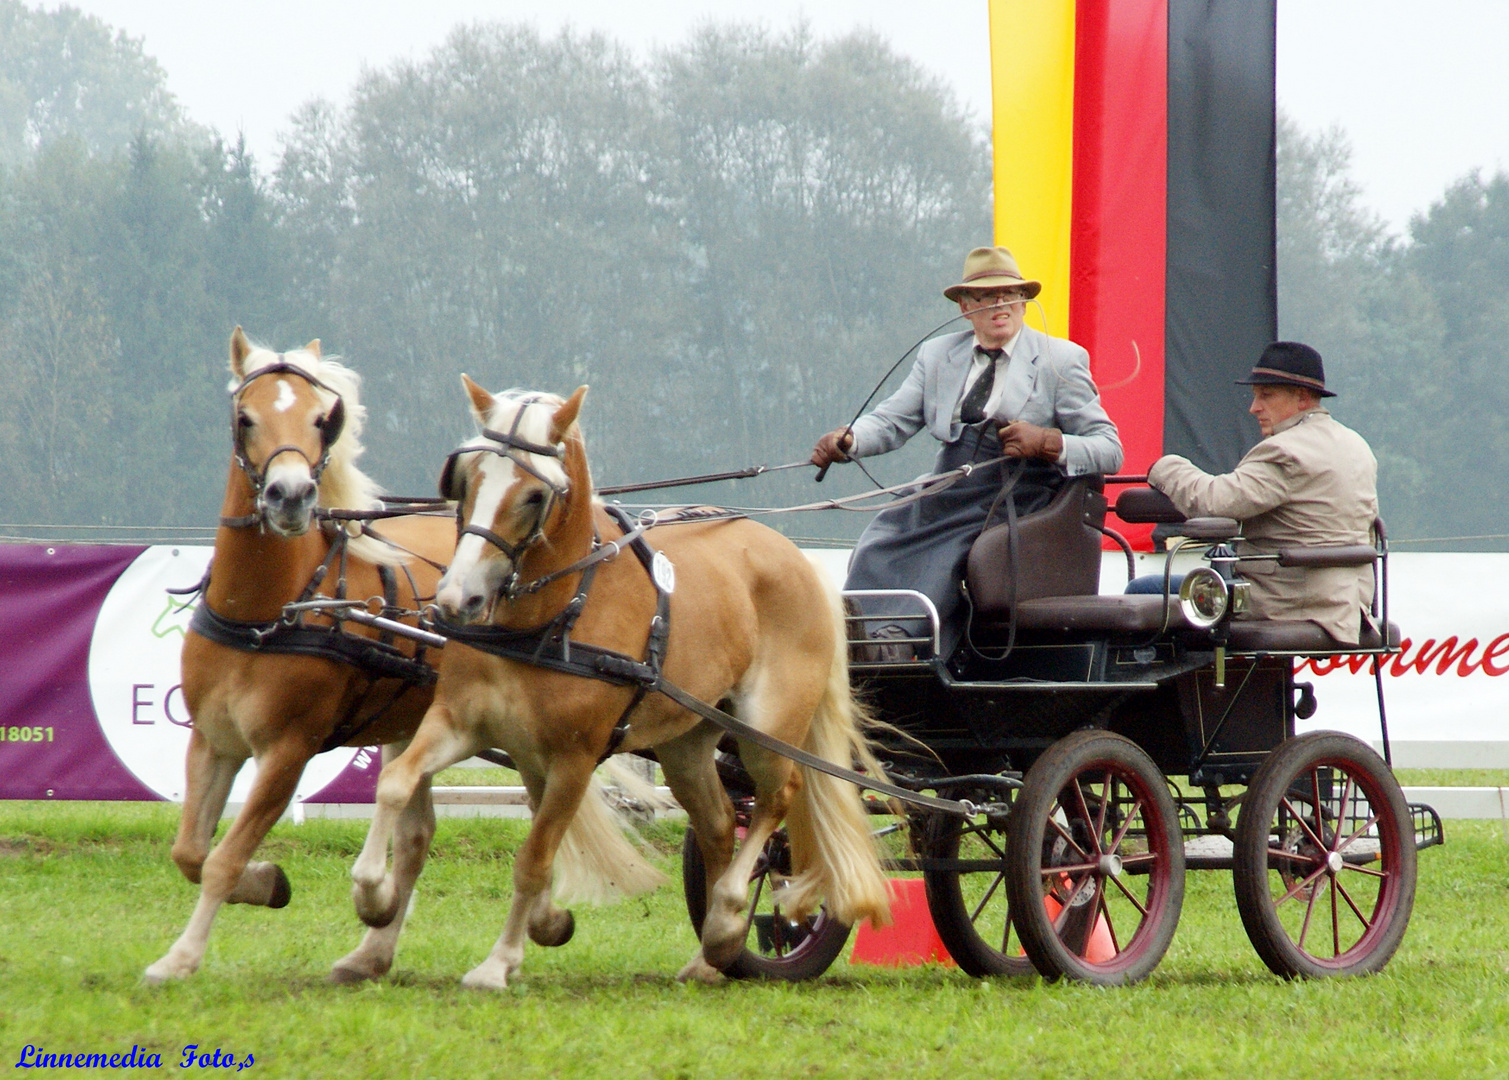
point(1313, 481)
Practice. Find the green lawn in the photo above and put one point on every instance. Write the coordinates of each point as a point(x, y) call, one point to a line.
point(88, 898)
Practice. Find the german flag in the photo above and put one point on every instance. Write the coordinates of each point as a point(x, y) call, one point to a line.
point(1134, 176)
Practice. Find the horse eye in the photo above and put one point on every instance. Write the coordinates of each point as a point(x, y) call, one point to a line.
point(244, 421)
point(535, 498)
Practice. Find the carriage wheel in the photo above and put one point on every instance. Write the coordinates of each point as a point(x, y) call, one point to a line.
point(1324, 863)
point(970, 908)
point(1095, 861)
point(778, 948)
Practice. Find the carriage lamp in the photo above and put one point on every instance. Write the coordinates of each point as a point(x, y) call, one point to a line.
point(1204, 597)
point(1241, 596)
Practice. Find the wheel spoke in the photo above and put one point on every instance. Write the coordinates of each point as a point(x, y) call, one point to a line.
point(1068, 839)
point(1105, 801)
point(1105, 913)
point(1305, 926)
point(1084, 810)
point(1335, 922)
point(1072, 868)
point(1366, 826)
point(1121, 833)
point(1295, 856)
point(1341, 813)
point(1365, 870)
point(1337, 886)
point(1128, 861)
point(975, 914)
point(1300, 887)
point(983, 832)
point(1064, 912)
point(1303, 824)
point(1127, 893)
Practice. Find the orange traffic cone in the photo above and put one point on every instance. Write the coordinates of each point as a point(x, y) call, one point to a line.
point(910, 940)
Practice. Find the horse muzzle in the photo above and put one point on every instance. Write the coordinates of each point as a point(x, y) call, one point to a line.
point(288, 505)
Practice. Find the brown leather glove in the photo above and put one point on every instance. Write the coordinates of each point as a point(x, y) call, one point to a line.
point(833, 447)
point(1020, 439)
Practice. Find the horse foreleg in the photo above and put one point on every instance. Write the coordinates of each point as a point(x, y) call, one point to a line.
point(228, 875)
point(532, 913)
point(208, 780)
point(411, 845)
point(377, 893)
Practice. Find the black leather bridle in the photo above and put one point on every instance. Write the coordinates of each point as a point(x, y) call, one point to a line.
point(515, 448)
point(330, 426)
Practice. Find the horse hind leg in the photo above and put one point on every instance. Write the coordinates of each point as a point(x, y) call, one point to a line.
point(411, 845)
point(227, 874)
point(377, 893)
point(532, 913)
point(726, 925)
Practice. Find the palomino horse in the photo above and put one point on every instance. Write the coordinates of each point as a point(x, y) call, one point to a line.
point(751, 623)
point(296, 424)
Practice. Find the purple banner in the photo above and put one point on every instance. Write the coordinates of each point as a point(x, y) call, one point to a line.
point(90, 701)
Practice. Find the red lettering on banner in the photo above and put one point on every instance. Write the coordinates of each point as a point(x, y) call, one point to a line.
point(1496, 648)
point(1441, 655)
point(1431, 653)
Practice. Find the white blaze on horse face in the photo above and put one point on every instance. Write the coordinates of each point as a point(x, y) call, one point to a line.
point(286, 397)
point(471, 572)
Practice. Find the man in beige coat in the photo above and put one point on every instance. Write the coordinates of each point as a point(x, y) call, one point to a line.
point(1310, 481)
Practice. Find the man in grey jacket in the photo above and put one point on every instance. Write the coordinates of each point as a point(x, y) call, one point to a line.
point(998, 388)
point(1310, 481)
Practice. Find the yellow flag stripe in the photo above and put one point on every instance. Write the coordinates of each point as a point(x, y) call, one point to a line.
point(1032, 83)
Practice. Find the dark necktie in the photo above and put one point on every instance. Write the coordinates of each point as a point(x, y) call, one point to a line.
point(972, 409)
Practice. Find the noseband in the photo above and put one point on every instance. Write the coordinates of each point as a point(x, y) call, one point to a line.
point(514, 447)
point(330, 426)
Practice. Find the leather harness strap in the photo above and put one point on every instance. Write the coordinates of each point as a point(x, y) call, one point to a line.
point(550, 647)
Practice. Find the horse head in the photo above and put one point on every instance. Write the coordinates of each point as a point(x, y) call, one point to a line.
point(285, 421)
point(510, 486)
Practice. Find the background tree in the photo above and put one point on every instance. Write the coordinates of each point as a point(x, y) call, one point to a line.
point(64, 73)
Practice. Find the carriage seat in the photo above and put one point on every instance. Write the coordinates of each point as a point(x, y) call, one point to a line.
point(1302, 636)
point(1057, 553)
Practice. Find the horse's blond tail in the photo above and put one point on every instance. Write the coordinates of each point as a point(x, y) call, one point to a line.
point(596, 863)
point(833, 854)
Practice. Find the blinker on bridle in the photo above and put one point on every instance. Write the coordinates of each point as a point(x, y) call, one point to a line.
point(514, 447)
point(330, 426)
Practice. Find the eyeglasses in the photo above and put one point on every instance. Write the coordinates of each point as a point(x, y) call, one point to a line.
point(979, 300)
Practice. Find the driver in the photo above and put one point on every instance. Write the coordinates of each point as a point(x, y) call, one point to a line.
point(1310, 481)
point(998, 388)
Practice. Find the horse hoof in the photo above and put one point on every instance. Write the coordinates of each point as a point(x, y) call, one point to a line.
point(558, 934)
point(486, 976)
point(371, 910)
point(350, 976)
point(700, 971)
point(164, 971)
point(282, 891)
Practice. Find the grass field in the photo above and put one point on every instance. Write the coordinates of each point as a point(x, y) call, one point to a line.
point(88, 898)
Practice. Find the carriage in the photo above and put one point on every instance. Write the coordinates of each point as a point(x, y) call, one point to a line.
point(1026, 778)
point(1061, 723)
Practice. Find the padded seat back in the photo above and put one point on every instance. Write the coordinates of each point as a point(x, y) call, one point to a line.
point(1058, 552)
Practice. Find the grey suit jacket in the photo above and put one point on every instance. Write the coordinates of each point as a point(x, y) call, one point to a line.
point(1047, 383)
point(1314, 482)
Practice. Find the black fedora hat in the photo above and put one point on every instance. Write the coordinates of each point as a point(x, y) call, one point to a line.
point(1289, 363)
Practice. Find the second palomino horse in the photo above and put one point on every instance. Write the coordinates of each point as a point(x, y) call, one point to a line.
point(751, 623)
point(257, 688)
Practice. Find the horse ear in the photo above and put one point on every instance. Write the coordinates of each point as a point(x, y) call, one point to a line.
point(565, 416)
point(240, 350)
point(314, 347)
point(482, 401)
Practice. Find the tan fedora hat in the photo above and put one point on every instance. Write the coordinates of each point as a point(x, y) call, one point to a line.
point(991, 268)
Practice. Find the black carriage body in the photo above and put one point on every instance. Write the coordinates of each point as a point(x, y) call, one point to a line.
point(992, 718)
